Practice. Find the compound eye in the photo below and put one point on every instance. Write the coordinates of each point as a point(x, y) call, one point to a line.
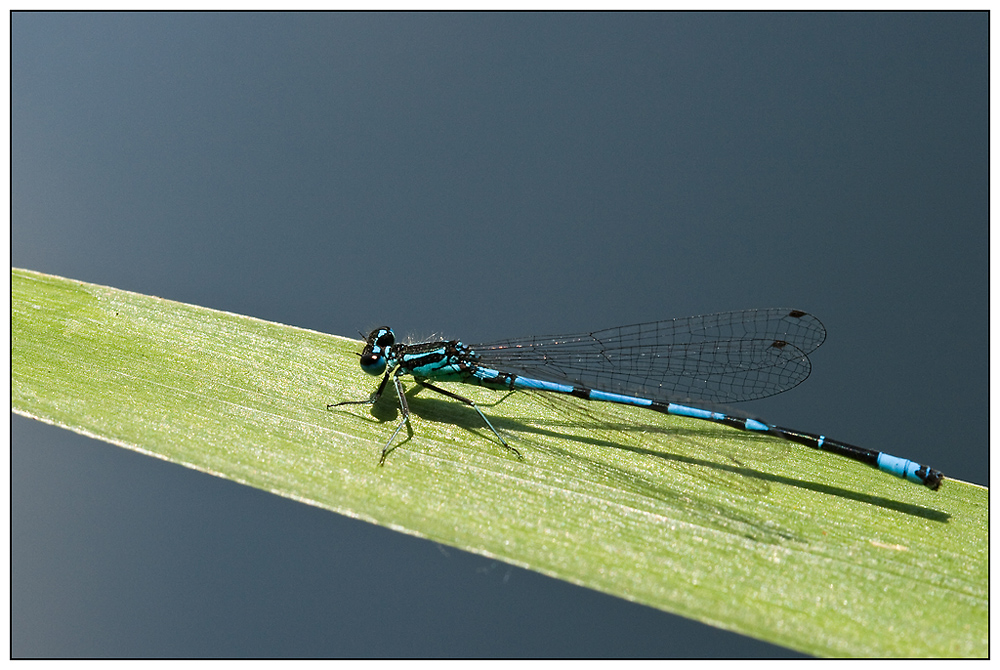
point(373, 364)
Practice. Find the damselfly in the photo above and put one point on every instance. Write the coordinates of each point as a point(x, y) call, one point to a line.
point(663, 365)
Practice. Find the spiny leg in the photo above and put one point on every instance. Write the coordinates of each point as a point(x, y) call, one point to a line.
point(473, 405)
point(404, 409)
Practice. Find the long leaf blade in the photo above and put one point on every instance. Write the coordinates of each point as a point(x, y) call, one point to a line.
point(738, 531)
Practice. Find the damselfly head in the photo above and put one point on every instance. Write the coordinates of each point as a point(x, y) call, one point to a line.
point(374, 355)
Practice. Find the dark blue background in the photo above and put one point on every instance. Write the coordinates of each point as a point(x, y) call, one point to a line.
point(479, 176)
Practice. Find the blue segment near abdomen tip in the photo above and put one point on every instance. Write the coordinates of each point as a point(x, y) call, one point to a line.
point(901, 467)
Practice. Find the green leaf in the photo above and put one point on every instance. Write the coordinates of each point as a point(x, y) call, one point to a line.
point(744, 532)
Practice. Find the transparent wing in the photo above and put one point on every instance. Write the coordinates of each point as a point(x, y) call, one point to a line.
point(722, 358)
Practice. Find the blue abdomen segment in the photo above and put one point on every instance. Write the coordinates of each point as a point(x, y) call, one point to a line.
point(591, 394)
point(528, 384)
point(717, 417)
point(902, 468)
